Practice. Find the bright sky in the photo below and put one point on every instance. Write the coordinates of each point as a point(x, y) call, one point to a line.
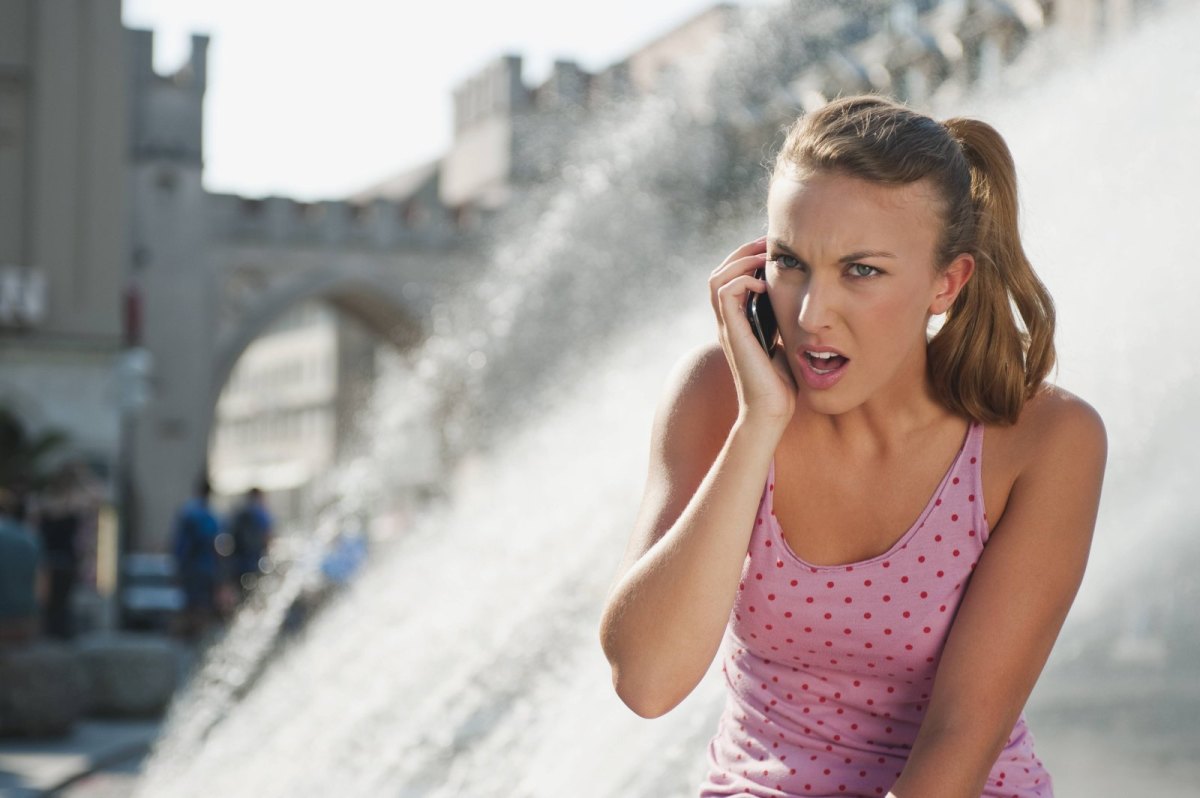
point(318, 99)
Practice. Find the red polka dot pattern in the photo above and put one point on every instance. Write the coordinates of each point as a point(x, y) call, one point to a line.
point(829, 668)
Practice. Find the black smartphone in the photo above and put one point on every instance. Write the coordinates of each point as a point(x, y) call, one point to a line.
point(762, 317)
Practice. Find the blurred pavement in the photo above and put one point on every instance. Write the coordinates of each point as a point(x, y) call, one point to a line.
point(45, 767)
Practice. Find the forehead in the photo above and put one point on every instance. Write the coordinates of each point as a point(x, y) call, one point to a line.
point(836, 212)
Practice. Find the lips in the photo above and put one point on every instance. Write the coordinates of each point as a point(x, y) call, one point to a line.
point(822, 366)
point(826, 362)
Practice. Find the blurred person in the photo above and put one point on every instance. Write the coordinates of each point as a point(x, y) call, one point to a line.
point(22, 579)
point(814, 510)
point(251, 528)
point(337, 565)
point(199, 564)
point(66, 510)
point(89, 495)
point(345, 557)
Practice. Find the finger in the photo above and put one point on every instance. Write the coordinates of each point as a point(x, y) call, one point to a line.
point(728, 272)
point(754, 247)
point(731, 297)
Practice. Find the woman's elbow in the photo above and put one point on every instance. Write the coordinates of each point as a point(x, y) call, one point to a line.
point(634, 693)
point(647, 704)
point(638, 682)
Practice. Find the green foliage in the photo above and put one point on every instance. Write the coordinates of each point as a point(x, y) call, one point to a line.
point(24, 457)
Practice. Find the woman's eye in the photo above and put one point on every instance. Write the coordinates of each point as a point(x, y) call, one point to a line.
point(786, 261)
point(863, 270)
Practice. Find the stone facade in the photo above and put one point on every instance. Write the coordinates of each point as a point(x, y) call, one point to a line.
point(101, 198)
point(63, 222)
point(218, 271)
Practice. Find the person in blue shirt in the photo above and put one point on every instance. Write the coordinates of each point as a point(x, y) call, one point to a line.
point(251, 528)
point(22, 584)
point(198, 562)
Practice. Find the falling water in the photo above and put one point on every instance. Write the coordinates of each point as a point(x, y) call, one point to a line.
point(465, 661)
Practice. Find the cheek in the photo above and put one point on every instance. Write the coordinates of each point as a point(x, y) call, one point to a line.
point(782, 303)
point(892, 321)
point(894, 310)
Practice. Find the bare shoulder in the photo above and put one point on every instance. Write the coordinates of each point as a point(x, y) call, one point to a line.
point(1058, 414)
point(697, 409)
point(705, 366)
point(1058, 426)
point(700, 399)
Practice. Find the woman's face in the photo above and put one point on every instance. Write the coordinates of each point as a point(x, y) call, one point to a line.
point(851, 269)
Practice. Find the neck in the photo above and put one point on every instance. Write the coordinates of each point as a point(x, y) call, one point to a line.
point(889, 419)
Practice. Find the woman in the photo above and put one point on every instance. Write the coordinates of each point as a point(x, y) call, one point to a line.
point(866, 653)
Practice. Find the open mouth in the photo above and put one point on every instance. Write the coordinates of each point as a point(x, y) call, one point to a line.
point(825, 362)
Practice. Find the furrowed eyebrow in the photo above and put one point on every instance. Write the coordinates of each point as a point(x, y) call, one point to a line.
point(866, 253)
point(784, 248)
point(850, 258)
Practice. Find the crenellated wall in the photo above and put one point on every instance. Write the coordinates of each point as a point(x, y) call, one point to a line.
point(376, 224)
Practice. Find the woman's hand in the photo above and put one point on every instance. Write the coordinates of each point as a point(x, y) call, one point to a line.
point(765, 386)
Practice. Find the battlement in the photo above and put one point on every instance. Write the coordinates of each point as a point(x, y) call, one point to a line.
point(567, 86)
point(374, 224)
point(496, 90)
point(167, 111)
point(191, 76)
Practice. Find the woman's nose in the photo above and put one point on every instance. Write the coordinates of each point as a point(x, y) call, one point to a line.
point(815, 308)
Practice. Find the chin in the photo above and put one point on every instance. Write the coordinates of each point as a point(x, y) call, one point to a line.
point(826, 403)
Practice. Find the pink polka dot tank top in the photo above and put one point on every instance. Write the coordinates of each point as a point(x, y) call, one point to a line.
point(829, 669)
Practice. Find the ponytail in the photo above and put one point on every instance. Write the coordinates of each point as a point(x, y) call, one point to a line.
point(981, 363)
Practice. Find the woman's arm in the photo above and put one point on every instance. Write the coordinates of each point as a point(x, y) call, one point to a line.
point(1015, 604)
point(714, 434)
point(666, 614)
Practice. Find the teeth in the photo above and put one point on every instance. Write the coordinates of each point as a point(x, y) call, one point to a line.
point(821, 355)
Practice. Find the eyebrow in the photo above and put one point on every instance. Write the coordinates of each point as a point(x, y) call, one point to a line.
point(850, 258)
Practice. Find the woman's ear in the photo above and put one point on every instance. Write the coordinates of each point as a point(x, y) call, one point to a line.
point(950, 282)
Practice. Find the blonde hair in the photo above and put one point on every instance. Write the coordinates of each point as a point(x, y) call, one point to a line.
point(982, 363)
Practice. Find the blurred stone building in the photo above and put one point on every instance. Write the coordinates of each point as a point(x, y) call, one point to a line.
point(64, 243)
point(171, 330)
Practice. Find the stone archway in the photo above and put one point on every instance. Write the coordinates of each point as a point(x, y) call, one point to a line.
point(389, 293)
point(376, 302)
point(284, 449)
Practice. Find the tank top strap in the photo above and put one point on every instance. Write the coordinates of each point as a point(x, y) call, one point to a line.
point(973, 447)
point(972, 469)
point(766, 505)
